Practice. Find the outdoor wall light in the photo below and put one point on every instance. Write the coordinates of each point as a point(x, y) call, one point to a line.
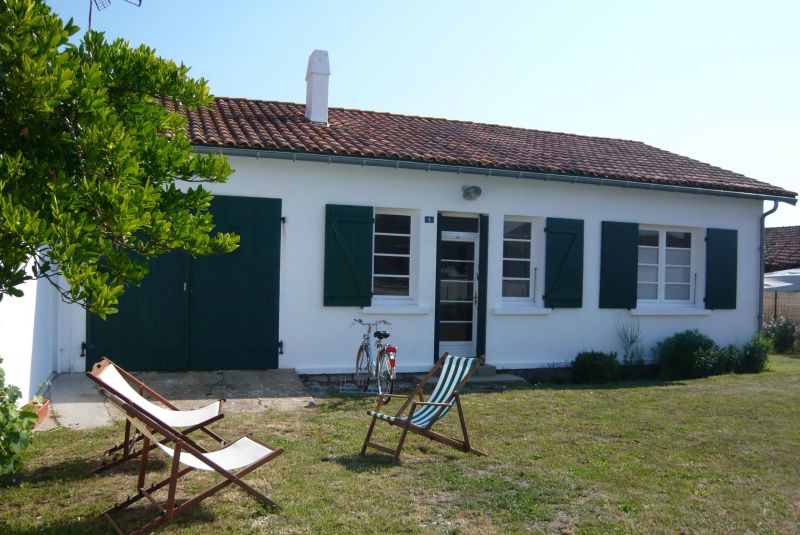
point(470, 193)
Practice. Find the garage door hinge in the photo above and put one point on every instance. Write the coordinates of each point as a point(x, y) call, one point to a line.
point(280, 347)
point(283, 219)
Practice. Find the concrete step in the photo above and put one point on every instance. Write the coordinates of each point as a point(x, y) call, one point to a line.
point(506, 379)
point(486, 370)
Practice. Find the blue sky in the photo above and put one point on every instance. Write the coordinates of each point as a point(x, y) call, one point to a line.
point(718, 81)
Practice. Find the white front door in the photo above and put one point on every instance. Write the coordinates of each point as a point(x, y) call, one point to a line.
point(458, 293)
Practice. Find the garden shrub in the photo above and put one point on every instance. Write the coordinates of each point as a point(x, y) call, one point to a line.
point(678, 354)
point(754, 354)
point(595, 367)
point(782, 332)
point(15, 426)
point(717, 360)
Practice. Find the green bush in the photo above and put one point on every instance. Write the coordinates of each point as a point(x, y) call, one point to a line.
point(595, 367)
point(678, 354)
point(782, 332)
point(15, 426)
point(754, 354)
point(717, 360)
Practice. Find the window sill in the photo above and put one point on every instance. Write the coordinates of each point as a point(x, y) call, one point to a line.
point(396, 309)
point(670, 311)
point(511, 310)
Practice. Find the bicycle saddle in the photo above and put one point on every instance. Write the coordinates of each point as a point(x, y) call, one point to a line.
point(380, 335)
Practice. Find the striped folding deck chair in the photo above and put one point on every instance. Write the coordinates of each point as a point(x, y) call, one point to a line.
point(418, 416)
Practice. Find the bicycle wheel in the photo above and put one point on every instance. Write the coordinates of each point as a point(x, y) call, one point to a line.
point(384, 375)
point(362, 367)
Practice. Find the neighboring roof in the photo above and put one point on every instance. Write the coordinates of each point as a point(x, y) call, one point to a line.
point(787, 280)
point(282, 126)
point(782, 248)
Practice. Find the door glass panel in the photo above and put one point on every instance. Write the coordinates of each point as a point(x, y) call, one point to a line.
point(648, 237)
point(456, 311)
point(458, 250)
point(458, 224)
point(679, 239)
point(455, 332)
point(517, 230)
point(680, 257)
point(390, 285)
point(677, 274)
point(648, 274)
point(647, 291)
point(456, 270)
point(455, 291)
point(648, 255)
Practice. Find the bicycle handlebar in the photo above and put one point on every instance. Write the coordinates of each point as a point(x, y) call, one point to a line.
point(372, 323)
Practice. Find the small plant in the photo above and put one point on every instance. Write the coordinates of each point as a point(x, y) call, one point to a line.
point(15, 426)
point(782, 332)
point(677, 354)
point(629, 334)
point(595, 367)
point(754, 354)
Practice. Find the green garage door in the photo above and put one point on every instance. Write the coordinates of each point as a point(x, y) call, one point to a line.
point(207, 313)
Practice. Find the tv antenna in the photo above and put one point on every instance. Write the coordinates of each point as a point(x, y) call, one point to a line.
point(102, 4)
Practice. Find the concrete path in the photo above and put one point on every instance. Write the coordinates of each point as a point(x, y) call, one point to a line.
point(75, 401)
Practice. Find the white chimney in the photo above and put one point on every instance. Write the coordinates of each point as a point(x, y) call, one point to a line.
point(317, 74)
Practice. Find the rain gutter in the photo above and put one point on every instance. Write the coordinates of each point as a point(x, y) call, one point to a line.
point(486, 171)
point(761, 259)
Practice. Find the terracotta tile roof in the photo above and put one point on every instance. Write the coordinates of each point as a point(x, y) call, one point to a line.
point(783, 248)
point(267, 125)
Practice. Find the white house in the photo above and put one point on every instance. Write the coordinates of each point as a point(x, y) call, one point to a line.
point(523, 245)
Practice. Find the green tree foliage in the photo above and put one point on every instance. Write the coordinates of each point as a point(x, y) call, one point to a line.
point(15, 426)
point(90, 160)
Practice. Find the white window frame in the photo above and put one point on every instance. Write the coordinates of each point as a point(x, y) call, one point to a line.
point(661, 300)
point(413, 258)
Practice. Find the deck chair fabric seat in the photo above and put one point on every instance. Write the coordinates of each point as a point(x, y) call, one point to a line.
point(171, 417)
point(232, 462)
point(106, 374)
point(419, 416)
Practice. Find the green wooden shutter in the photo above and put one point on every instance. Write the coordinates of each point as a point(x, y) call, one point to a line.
point(618, 265)
point(348, 255)
point(563, 274)
point(721, 260)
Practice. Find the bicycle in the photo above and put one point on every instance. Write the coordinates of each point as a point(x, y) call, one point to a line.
point(378, 365)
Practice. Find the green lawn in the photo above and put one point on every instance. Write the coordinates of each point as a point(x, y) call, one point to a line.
point(718, 455)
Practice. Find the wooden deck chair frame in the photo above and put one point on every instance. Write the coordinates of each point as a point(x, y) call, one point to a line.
point(126, 450)
point(411, 405)
point(149, 425)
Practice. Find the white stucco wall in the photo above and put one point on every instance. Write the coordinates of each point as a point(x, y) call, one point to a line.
point(28, 336)
point(317, 338)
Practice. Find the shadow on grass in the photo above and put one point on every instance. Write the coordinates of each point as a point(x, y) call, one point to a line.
point(73, 471)
point(368, 462)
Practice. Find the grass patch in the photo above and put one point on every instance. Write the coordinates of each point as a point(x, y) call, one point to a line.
point(702, 456)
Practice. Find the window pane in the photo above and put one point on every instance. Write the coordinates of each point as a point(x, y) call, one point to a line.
point(677, 274)
point(455, 311)
point(517, 249)
point(517, 230)
point(648, 255)
point(648, 237)
point(459, 224)
point(456, 270)
point(391, 265)
point(393, 224)
point(453, 250)
point(392, 244)
point(516, 268)
point(455, 332)
point(390, 285)
point(679, 257)
point(455, 291)
point(677, 291)
point(516, 288)
point(679, 239)
point(648, 274)
point(647, 291)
